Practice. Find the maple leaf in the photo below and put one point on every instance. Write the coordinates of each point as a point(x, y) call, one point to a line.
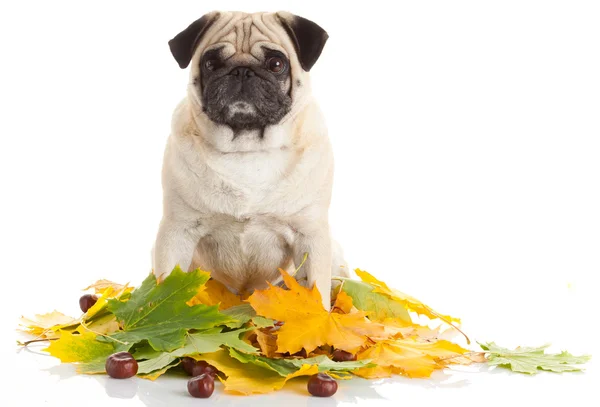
point(407, 357)
point(110, 292)
point(288, 366)
point(156, 373)
point(343, 303)
point(47, 325)
point(211, 340)
point(262, 322)
point(531, 360)
point(267, 342)
point(410, 303)
point(307, 324)
point(159, 314)
point(240, 314)
point(92, 367)
point(101, 325)
point(379, 307)
point(82, 347)
point(215, 293)
point(101, 285)
point(248, 378)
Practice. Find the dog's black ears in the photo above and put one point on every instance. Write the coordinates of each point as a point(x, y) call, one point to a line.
point(184, 44)
point(308, 38)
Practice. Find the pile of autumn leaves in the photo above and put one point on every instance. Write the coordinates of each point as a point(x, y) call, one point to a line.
point(258, 342)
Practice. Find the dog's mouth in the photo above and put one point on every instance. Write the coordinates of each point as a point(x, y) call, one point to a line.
point(241, 108)
point(252, 104)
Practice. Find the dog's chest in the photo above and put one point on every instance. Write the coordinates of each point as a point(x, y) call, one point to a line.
point(241, 184)
point(245, 253)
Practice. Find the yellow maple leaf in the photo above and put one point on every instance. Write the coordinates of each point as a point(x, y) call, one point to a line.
point(83, 347)
point(247, 378)
point(101, 285)
point(343, 303)
point(408, 357)
point(306, 323)
point(213, 293)
point(46, 325)
point(108, 293)
point(103, 325)
point(411, 303)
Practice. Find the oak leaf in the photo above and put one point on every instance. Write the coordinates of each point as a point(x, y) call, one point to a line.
point(306, 323)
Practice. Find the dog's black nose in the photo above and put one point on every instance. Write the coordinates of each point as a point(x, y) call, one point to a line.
point(242, 72)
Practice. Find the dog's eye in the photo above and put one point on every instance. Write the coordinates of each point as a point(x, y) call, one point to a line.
point(211, 64)
point(275, 64)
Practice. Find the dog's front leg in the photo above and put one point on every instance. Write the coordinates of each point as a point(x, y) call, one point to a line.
point(317, 267)
point(175, 245)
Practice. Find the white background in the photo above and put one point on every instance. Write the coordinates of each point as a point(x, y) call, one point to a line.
point(466, 136)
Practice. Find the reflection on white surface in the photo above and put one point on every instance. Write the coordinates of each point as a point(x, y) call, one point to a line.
point(58, 385)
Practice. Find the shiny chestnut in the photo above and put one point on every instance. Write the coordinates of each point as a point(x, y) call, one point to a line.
point(121, 365)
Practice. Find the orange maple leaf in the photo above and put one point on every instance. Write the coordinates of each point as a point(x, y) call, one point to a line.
point(213, 293)
point(306, 323)
point(343, 303)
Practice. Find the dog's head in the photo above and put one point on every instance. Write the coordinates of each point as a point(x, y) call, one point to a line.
point(247, 70)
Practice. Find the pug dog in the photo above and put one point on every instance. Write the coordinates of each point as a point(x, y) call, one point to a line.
point(248, 166)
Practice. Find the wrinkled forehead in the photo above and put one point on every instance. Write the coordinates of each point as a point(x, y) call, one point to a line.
point(246, 36)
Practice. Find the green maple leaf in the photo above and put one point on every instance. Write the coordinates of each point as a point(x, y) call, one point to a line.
point(158, 313)
point(532, 360)
point(377, 306)
point(74, 348)
point(207, 341)
point(157, 363)
point(243, 313)
point(285, 367)
point(240, 314)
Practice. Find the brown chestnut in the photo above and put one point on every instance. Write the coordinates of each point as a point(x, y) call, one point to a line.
point(201, 386)
point(197, 367)
point(87, 301)
point(121, 365)
point(342, 356)
point(322, 385)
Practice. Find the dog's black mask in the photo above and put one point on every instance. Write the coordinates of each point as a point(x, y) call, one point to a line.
point(246, 95)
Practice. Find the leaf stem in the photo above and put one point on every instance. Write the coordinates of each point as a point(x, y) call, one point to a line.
point(448, 322)
point(36, 340)
point(104, 335)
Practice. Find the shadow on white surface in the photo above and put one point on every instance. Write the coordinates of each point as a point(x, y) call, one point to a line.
point(59, 385)
point(171, 389)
